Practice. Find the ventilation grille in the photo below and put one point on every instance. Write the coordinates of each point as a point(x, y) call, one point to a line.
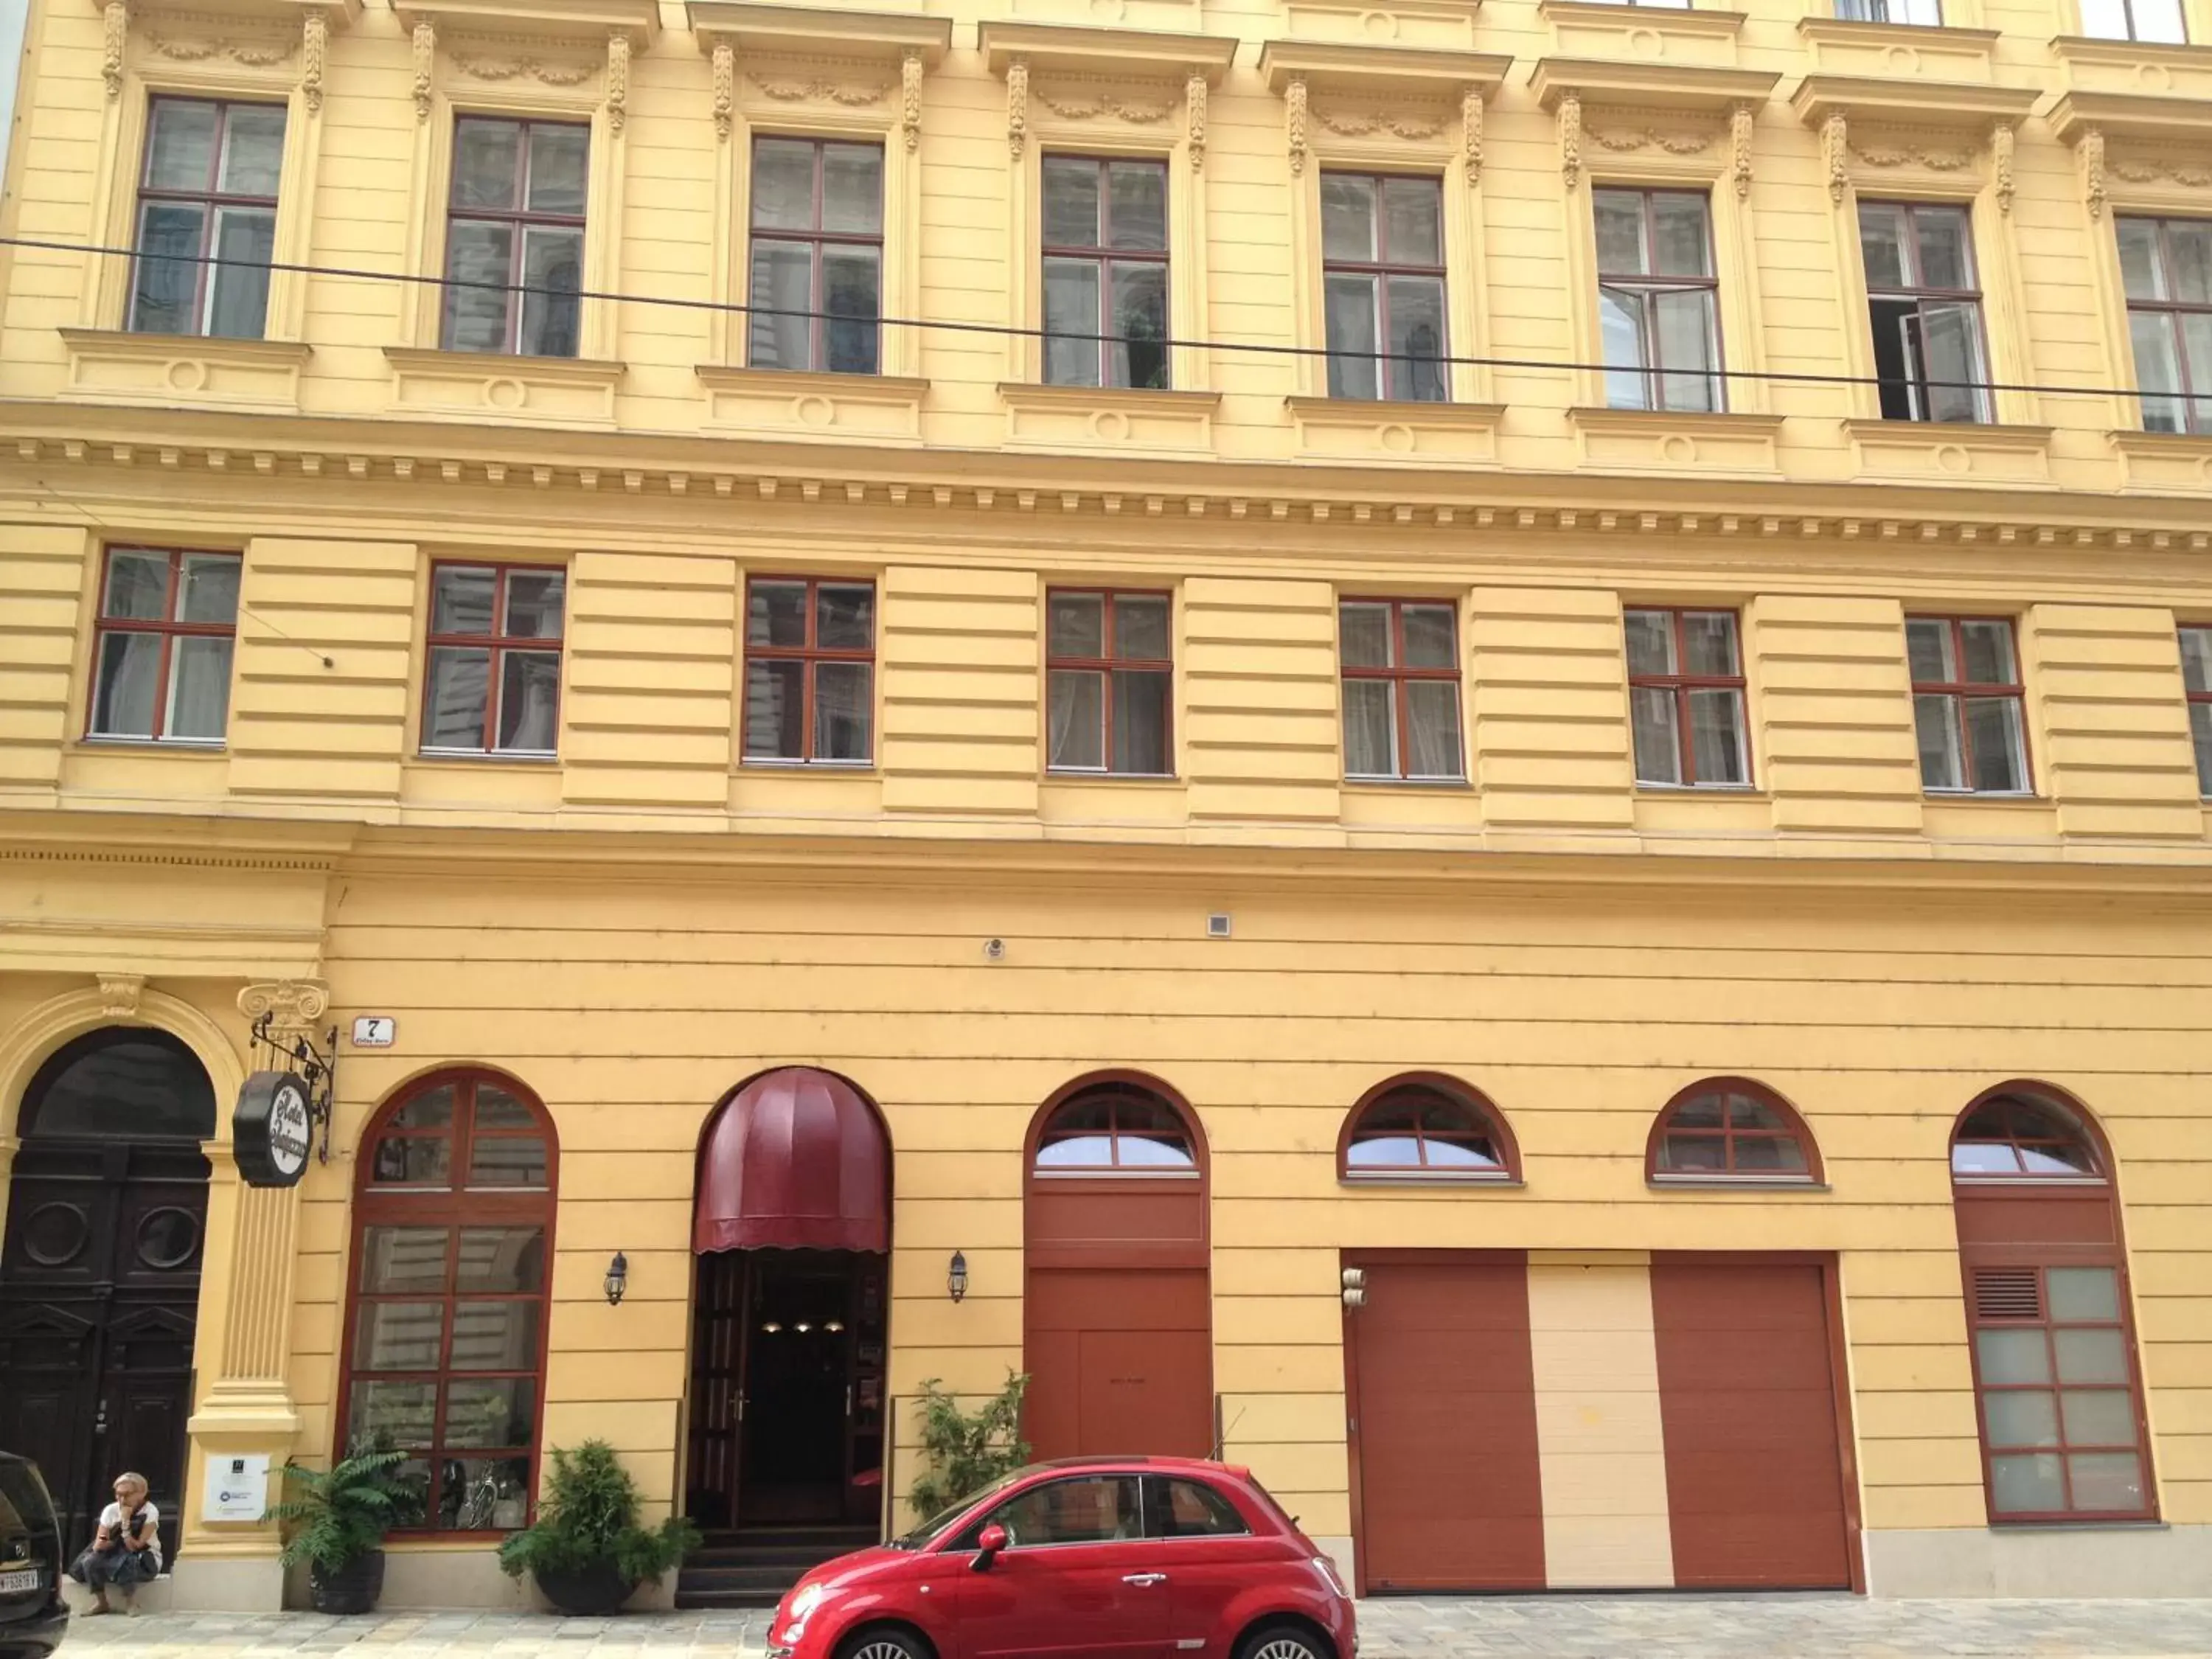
point(2007, 1293)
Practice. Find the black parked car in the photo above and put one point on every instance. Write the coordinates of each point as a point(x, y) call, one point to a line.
point(32, 1616)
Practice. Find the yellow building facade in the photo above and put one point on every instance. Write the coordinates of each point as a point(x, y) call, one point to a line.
point(1450, 946)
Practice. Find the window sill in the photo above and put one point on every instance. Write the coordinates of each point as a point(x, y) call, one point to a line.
point(2130, 1523)
point(460, 760)
point(205, 748)
point(1383, 429)
point(1120, 780)
point(1728, 1183)
point(2163, 461)
point(2136, 69)
point(576, 391)
point(1925, 51)
point(1652, 440)
point(1385, 785)
point(1700, 791)
point(1504, 1182)
point(1934, 452)
point(789, 403)
point(1111, 420)
point(774, 763)
point(113, 366)
point(2019, 799)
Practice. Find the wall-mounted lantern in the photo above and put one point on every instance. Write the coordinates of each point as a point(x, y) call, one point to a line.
point(618, 1279)
point(956, 1277)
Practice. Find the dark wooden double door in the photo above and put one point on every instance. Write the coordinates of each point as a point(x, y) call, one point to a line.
point(99, 1279)
point(786, 1404)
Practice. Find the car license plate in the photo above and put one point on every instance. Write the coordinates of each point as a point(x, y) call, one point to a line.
point(17, 1583)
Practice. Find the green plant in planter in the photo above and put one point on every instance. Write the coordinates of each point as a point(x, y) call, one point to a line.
point(335, 1521)
point(967, 1450)
point(586, 1542)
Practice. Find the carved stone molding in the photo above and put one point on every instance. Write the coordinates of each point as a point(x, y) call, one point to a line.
point(1294, 124)
point(1017, 107)
point(1836, 152)
point(1470, 133)
point(2138, 168)
point(119, 995)
point(248, 52)
point(910, 67)
point(1372, 122)
point(1625, 132)
point(546, 71)
point(1936, 154)
point(425, 48)
point(807, 85)
point(1193, 99)
point(292, 1004)
point(726, 88)
point(115, 31)
point(2001, 141)
point(1569, 118)
point(1140, 106)
point(1742, 120)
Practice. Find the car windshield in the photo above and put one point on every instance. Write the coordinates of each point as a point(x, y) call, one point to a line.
point(932, 1529)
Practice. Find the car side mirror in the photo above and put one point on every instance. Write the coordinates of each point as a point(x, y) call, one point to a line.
point(988, 1543)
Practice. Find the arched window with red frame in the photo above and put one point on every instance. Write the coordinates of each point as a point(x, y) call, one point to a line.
point(1114, 1129)
point(1730, 1128)
point(1425, 1127)
point(446, 1309)
point(2058, 1388)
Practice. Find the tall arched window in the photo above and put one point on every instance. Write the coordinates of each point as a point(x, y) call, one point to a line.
point(452, 1263)
point(1420, 1127)
point(1729, 1129)
point(2056, 1386)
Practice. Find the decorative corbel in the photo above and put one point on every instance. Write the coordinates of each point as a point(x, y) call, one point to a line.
point(1836, 150)
point(1017, 107)
point(1470, 133)
point(314, 50)
point(2089, 151)
point(119, 995)
point(1741, 121)
point(910, 99)
point(617, 80)
point(1294, 123)
point(726, 88)
point(1570, 137)
point(1193, 98)
point(426, 55)
point(2000, 163)
point(291, 1007)
point(115, 19)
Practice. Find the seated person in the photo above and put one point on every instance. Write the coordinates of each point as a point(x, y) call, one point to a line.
point(126, 1552)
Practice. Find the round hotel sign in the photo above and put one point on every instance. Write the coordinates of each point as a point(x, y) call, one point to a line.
point(272, 1130)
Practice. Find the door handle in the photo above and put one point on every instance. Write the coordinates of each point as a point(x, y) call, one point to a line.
point(1144, 1578)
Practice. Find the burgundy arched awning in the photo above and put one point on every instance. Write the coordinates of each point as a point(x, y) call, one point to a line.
point(795, 1161)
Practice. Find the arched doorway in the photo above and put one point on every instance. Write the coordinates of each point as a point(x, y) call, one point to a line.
point(1117, 1318)
point(791, 1309)
point(99, 1269)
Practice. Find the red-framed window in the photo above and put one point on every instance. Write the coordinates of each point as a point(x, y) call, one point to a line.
point(810, 671)
point(1400, 663)
point(1731, 1128)
point(1105, 271)
point(1925, 307)
point(1658, 299)
point(1969, 709)
point(207, 217)
point(1426, 1128)
point(493, 681)
point(816, 255)
point(1114, 1129)
point(2196, 679)
point(1109, 672)
point(515, 236)
point(1686, 693)
point(1382, 286)
point(2058, 1386)
point(162, 647)
point(447, 1303)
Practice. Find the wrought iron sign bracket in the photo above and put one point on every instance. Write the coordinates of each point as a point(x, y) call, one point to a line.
point(318, 1069)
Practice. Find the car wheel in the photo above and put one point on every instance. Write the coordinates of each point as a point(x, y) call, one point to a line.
point(1282, 1642)
point(885, 1642)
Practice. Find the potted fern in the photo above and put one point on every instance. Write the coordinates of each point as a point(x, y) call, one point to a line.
point(587, 1550)
point(335, 1521)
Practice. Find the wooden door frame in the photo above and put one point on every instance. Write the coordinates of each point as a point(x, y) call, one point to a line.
point(1355, 1472)
point(1830, 1264)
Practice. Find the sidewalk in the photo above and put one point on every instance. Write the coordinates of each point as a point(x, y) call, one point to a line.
point(1526, 1627)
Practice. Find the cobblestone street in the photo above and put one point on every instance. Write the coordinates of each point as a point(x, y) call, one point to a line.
point(1596, 1627)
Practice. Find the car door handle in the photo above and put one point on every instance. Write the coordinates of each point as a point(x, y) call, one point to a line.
point(1144, 1578)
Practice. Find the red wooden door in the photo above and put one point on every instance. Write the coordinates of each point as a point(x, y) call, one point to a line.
point(1747, 1404)
point(1443, 1397)
point(1121, 1363)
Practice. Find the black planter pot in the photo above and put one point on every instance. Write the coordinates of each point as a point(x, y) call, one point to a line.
point(353, 1588)
point(588, 1592)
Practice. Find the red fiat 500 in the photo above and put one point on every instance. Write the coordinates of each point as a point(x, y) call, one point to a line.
point(1094, 1558)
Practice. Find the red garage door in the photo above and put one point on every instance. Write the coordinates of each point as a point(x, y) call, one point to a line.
point(1444, 1405)
point(1747, 1401)
point(1120, 1364)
